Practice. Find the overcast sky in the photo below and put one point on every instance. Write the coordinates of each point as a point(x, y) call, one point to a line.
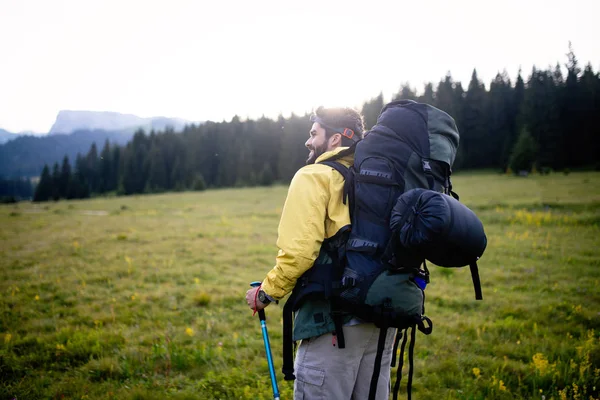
point(210, 60)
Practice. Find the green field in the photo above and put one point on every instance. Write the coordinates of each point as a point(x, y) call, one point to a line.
point(143, 297)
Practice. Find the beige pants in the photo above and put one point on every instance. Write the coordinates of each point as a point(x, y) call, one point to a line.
point(325, 372)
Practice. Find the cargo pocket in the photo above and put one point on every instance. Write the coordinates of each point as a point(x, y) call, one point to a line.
point(309, 383)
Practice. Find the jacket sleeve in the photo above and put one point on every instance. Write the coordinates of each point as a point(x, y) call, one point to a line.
point(301, 230)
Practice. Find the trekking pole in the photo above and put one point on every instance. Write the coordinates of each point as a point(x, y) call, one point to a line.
point(263, 325)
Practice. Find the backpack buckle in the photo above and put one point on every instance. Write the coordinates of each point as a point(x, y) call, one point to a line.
point(348, 281)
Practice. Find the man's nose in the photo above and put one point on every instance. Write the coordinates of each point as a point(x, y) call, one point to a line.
point(307, 144)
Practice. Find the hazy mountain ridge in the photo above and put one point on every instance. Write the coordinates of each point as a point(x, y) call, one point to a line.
point(6, 136)
point(26, 155)
point(73, 132)
point(68, 121)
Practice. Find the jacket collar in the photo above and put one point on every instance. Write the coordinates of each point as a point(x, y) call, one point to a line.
point(329, 154)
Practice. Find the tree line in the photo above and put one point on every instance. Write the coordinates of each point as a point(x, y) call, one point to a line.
point(547, 121)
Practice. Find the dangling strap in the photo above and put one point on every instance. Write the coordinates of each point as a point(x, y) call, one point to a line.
point(400, 364)
point(288, 341)
point(449, 185)
point(377, 366)
point(476, 281)
point(395, 350)
point(338, 321)
point(411, 351)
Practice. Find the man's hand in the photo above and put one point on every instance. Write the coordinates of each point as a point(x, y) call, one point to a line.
point(252, 299)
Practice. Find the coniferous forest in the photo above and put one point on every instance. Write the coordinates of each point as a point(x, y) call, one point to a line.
point(544, 122)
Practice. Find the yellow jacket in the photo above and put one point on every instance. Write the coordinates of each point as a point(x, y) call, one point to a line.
point(313, 211)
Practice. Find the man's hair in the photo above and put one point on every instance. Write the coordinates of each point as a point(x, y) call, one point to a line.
point(341, 118)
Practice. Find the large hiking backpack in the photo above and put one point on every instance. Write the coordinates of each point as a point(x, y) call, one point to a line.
point(403, 212)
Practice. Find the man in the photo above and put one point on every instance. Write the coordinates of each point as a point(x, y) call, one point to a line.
point(313, 213)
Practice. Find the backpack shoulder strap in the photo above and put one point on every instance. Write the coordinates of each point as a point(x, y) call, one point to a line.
point(348, 174)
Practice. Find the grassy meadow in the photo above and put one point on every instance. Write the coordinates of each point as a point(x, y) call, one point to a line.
point(143, 297)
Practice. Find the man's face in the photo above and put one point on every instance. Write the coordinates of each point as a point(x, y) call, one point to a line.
point(317, 143)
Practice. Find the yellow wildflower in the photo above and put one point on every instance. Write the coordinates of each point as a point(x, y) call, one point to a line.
point(197, 280)
point(576, 391)
point(7, 338)
point(476, 372)
point(37, 297)
point(563, 394)
point(501, 386)
point(189, 332)
point(572, 364)
point(541, 364)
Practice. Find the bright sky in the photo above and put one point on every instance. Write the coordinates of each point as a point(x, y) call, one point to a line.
point(210, 60)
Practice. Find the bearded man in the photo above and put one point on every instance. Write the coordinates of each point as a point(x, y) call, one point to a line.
point(314, 212)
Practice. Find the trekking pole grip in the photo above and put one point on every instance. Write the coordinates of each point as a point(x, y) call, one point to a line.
point(261, 313)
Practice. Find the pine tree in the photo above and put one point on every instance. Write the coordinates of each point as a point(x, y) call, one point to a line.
point(523, 154)
point(178, 177)
point(157, 171)
point(79, 188)
point(445, 98)
point(589, 100)
point(135, 172)
point(570, 112)
point(43, 190)
point(266, 177)
point(65, 179)
point(428, 95)
point(56, 182)
point(371, 110)
point(292, 154)
point(199, 183)
point(105, 172)
point(473, 149)
point(93, 169)
point(500, 120)
point(541, 114)
point(115, 168)
point(517, 110)
point(405, 93)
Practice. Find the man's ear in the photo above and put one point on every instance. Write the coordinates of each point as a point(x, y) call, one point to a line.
point(335, 140)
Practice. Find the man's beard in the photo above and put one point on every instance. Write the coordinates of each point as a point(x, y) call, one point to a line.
point(316, 153)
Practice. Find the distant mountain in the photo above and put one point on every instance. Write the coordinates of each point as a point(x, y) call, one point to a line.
point(73, 132)
point(68, 121)
point(26, 155)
